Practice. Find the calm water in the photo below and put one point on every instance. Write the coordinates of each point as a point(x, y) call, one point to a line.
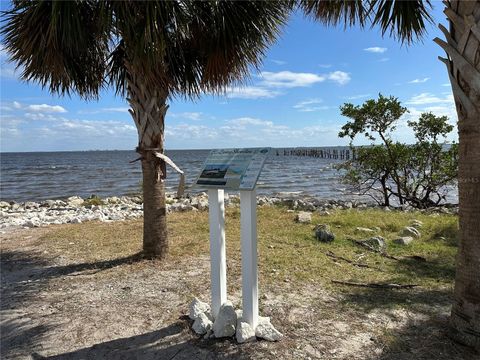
point(52, 175)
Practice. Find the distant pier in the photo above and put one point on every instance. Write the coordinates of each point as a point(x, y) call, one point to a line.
point(322, 153)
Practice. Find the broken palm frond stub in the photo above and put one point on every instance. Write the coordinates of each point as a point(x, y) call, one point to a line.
point(167, 160)
point(181, 185)
point(337, 257)
point(376, 285)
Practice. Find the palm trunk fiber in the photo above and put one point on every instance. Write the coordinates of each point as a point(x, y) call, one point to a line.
point(148, 109)
point(462, 46)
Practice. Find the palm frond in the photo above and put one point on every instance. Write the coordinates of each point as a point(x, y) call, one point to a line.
point(406, 20)
point(179, 47)
point(237, 36)
point(60, 45)
point(333, 12)
point(403, 19)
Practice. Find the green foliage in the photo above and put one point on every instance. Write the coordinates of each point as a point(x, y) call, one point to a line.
point(374, 116)
point(412, 174)
point(93, 200)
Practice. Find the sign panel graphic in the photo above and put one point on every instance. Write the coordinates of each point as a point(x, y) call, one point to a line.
point(233, 169)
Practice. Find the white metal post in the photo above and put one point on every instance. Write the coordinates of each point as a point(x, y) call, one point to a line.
point(248, 233)
point(218, 263)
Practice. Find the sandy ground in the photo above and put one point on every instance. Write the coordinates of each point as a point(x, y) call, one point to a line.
point(53, 307)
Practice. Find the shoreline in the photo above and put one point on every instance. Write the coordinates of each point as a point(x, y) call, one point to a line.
point(76, 210)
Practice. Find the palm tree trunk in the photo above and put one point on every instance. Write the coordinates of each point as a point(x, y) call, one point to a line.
point(148, 109)
point(463, 63)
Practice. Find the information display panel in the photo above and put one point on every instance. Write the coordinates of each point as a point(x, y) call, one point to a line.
point(232, 169)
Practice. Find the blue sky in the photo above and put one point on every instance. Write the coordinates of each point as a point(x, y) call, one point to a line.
point(293, 101)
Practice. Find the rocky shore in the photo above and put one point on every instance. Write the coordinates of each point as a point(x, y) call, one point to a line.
point(76, 210)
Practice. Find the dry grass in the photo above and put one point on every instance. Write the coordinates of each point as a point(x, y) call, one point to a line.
point(69, 278)
point(288, 250)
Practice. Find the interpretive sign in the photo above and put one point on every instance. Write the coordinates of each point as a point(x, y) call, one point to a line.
point(233, 169)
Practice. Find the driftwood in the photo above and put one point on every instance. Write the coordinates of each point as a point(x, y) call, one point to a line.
point(337, 257)
point(376, 285)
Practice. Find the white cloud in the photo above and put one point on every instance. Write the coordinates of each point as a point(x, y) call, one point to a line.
point(376, 49)
point(120, 109)
point(116, 109)
point(289, 79)
point(252, 131)
point(278, 62)
point(17, 105)
point(310, 105)
point(447, 84)
point(8, 72)
point(42, 116)
point(250, 92)
point(243, 121)
point(46, 108)
point(340, 77)
point(187, 115)
point(190, 132)
point(356, 97)
point(419, 81)
point(428, 98)
point(383, 59)
point(43, 134)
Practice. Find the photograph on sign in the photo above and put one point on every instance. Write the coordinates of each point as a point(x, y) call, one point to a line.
point(234, 169)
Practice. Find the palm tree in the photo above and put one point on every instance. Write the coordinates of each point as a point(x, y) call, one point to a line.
point(149, 52)
point(406, 20)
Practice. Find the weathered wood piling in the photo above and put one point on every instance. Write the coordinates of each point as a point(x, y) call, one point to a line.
point(322, 153)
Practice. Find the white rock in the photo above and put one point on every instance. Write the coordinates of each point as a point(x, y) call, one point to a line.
point(34, 222)
point(113, 200)
point(4, 204)
point(376, 242)
point(225, 322)
point(416, 224)
point(198, 307)
point(75, 201)
point(244, 332)
point(202, 204)
point(404, 240)
point(410, 231)
point(304, 217)
point(202, 324)
point(266, 331)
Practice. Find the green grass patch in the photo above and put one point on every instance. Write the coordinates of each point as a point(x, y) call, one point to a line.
point(288, 251)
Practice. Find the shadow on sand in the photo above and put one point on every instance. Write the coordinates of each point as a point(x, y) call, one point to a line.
point(24, 275)
point(168, 343)
point(424, 334)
